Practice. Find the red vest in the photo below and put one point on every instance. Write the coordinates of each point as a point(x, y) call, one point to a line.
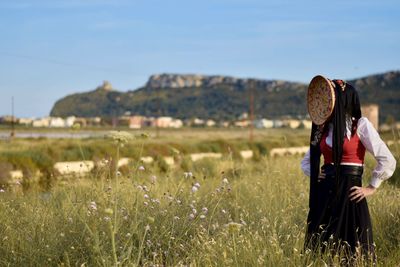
point(353, 150)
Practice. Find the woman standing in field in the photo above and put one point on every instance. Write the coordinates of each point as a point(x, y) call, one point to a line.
point(338, 217)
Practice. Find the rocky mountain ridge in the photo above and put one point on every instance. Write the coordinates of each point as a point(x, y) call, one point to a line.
point(166, 80)
point(220, 97)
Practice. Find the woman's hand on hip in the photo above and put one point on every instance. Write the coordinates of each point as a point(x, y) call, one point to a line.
point(357, 193)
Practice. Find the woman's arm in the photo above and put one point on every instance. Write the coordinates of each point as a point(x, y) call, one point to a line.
point(386, 163)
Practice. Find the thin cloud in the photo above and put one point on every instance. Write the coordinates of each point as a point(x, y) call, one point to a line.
point(111, 24)
point(71, 4)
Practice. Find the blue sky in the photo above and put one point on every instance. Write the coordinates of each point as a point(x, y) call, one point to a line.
point(52, 48)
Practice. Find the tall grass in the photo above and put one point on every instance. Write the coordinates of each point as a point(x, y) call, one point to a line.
point(225, 212)
point(209, 213)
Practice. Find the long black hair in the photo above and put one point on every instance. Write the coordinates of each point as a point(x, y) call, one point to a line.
point(347, 103)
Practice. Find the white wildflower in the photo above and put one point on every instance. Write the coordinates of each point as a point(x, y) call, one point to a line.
point(155, 200)
point(141, 168)
point(188, 174)
point(202, 216)
point(191, 216)
point(93, 206)
point(204, 210)
point(119, 137)
point(194, 189)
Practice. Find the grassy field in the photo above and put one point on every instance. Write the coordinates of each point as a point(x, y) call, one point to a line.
point(40, 154)
point(226, 212)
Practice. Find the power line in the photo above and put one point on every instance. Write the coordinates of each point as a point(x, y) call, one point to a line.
point(12, 118)
point(251, 107)
point(63, 63)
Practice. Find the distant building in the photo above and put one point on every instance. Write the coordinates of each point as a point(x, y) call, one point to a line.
point(7, 119)
point(168, 122)
point(122, 121)
point(25, 121)
point(56, 122)
point(293, 124)
point(242, 123)
point(198, 122)
point(224, 124)
point(42, 122)
point(176, 123)
point(136, 122)
point(278, 124)
point(69, 121)
point(163, 122)
point(372, 113)
point(210, 123)
point(263, 123)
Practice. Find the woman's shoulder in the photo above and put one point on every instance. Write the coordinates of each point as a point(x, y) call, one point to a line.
point(363, 122)
point(364, 126)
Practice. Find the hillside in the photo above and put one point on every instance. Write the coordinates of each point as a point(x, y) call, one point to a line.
point(220, 97)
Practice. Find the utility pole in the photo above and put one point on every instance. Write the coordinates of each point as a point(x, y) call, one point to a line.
point(251, 108)
point(158, 113)
point(12, 118)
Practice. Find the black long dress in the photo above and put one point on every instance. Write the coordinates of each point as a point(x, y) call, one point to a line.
point(336, 223)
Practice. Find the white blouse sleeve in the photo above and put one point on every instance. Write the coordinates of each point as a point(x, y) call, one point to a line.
point(374, 144)
point(305, 164)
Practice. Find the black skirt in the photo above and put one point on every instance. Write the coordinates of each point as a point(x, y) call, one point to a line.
point(337, 223)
